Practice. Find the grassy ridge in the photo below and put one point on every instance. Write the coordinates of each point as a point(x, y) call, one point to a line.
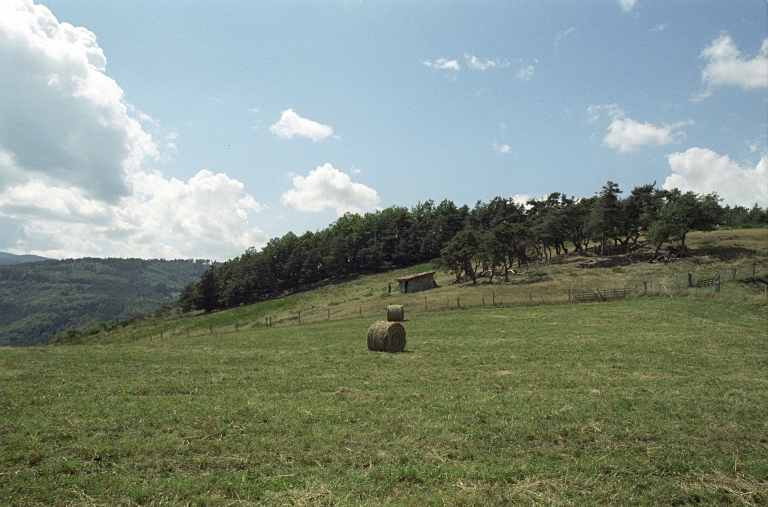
point(730, 254)
point(651, 401)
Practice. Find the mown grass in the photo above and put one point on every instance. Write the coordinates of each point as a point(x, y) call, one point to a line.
point(647, 401)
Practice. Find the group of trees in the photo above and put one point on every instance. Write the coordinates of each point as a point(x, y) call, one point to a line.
point(490, 238)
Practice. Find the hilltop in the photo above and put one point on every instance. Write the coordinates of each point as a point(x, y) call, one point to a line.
point(9, 258)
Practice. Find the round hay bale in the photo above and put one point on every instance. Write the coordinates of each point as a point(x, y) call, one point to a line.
point(395, 313)
point(386, 337)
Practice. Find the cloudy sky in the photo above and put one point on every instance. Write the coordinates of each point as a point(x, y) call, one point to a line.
point(200, 128)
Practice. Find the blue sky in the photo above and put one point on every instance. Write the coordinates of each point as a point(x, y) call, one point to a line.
point(197, 129)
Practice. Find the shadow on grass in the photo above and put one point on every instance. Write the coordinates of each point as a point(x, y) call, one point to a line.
point(724, 253)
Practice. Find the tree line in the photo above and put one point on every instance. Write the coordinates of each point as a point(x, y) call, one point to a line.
point(490, 238)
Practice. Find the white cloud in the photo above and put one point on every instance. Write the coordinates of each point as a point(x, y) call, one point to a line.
point(63, 118)
point(561, 35)
point(206, 217)
point(595, 112)
point(526, 71)
point(292, 125)
point(521, 199)
point(442, 64)
point(703, 171)
point(627, 5)
point(501, 148)
point(628, 135)
point(659, 28)
point(72, 154)
point(327, 187)
point(474, 62)
point(729, 66)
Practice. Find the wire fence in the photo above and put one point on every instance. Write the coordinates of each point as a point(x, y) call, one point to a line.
point(489, 296)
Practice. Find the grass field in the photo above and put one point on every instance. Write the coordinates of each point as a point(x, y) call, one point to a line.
point(638, 402)
point(657, 399)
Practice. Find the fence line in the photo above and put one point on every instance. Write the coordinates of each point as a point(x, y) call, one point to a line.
point(662, 286)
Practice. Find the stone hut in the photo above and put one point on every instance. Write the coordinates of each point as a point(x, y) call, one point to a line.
point(417, 282)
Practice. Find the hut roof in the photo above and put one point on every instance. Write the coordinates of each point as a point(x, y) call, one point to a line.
point(417, 275)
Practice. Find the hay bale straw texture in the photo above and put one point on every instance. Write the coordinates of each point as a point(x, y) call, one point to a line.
point(386, 337)
point(395, 313)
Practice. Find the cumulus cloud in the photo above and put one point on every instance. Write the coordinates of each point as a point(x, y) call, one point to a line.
point(63, 118)
point(626, 5)
point(72, 156)
point(703, 171)
point(522, 199)
point(727, 66)
point(292, 125)
point(206, 216)
point(327, 187)
point(442, 64)
point(628, 135)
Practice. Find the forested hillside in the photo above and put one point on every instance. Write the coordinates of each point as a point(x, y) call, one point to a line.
point(491, 237)
point(40, 299)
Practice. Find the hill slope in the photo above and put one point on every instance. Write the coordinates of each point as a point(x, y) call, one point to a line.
point(7, 259)
point(40, 299)
point(731, 254)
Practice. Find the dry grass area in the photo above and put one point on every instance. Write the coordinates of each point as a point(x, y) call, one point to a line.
point(729, 254)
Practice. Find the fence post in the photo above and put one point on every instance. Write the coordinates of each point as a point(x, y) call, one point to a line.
point(483, 301)
point(210, 328)
point(645, 286)
point(717, 286)
point(361, 311)
point(733, 273)
point(329, 314)
point(425, 303)
point(690, 279)
point(458, 304)
point(493, 298)
point(299, 317)
point(569, 294)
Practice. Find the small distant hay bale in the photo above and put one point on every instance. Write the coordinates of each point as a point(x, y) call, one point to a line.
point(395, 313)
point(386, 337)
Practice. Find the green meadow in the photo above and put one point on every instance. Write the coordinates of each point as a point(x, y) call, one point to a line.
point(657, 399)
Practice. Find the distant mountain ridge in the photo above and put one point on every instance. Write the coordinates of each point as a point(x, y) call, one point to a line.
point(7, 259)
point(43, 298)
